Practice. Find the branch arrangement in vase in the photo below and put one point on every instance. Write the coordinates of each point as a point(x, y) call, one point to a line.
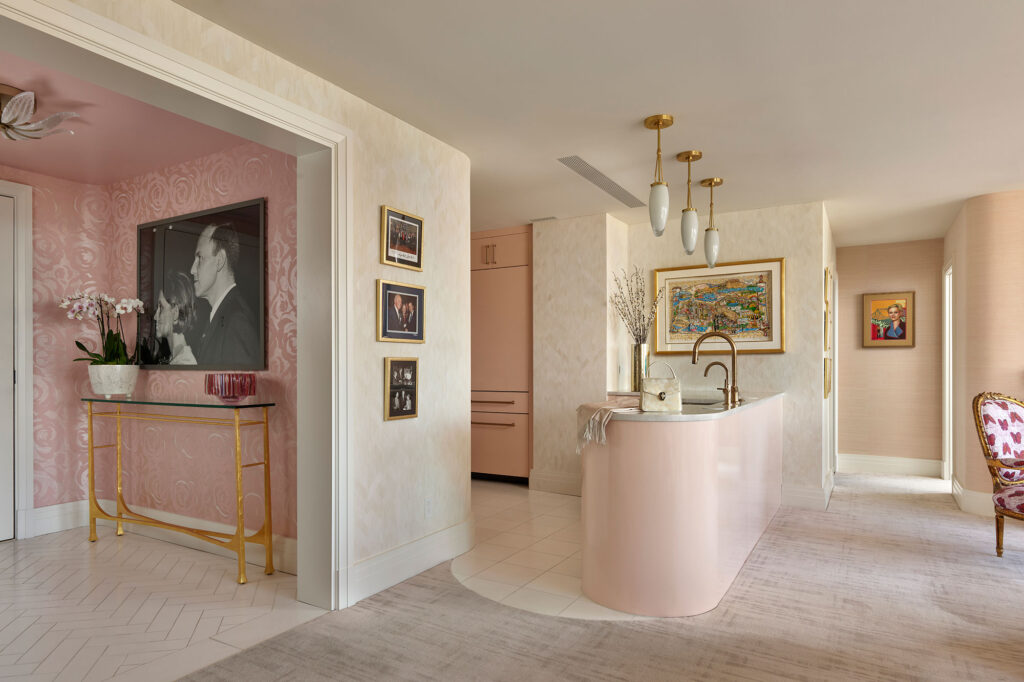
point(630, 301)
point(107, 312)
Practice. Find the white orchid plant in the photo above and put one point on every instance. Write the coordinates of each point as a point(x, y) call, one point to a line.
point(107, 312)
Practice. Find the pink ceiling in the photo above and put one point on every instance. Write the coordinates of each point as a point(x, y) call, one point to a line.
point(116, 137)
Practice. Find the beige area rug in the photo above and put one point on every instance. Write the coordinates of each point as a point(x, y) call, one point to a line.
point(891, 583)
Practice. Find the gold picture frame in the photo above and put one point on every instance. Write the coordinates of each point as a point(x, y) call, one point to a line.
point(401, 239)
point(828, 377)
point(878, 320)
point(401, 388)
point(764, 284)
point(401, 321)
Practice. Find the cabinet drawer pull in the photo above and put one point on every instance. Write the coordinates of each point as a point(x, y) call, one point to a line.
point(495, 402)
point(494, 254)
point(491, 423)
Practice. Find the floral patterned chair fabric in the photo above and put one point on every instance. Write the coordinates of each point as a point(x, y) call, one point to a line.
point(1000, 422)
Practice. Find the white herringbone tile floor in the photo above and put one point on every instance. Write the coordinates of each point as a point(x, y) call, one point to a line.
point(130, 608)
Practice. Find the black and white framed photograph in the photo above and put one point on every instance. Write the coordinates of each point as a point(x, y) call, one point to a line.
point(201, 281)
point(401, 388)
point(399, 312)
point(401, 239)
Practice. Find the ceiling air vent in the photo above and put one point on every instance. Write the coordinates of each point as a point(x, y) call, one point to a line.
point(601, 180)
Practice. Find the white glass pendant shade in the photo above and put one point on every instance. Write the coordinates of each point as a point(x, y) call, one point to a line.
point(658, 205)
point(711, 246)
point(688, 229)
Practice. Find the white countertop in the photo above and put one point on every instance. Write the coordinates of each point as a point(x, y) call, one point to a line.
point(693, 413)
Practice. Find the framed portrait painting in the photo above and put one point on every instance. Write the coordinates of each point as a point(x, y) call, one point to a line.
point(744, 299)
point(201, 279)
point(399, 312)
point(401, 239)
point(889, 320)
point(401, 388)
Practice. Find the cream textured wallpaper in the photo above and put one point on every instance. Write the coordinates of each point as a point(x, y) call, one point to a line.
point(399, 469)
point(796, 234)
point(892, 397)
point(618, 337)
point(570, 341)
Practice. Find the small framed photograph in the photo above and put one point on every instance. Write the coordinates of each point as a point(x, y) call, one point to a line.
point(399, 312)
point(401, 388)
point(401, 239)
point(889, 320)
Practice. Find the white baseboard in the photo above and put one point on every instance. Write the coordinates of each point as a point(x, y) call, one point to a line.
point(58, 517)
point(806, 496)
point(369, 577)
point(972, 501)
point(561, 482)
point(878, 464)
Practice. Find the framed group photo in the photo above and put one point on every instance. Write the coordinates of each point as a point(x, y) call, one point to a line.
point(399, 312)
point(195, 264)
point(744, 299)
point(401, 388)
point(401, 239)
point(889, 320)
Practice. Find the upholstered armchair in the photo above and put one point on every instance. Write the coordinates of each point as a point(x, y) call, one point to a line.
point(1000, 422)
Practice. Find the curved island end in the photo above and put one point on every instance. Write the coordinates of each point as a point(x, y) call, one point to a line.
point(673, 503)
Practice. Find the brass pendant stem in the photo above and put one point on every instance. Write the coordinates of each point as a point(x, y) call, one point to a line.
point(689, 199)
point(658, 175)
point(711, 211)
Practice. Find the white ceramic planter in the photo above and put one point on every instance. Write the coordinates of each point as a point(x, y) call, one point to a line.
point(108, 380)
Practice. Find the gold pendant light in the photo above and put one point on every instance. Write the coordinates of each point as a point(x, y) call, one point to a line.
point(711, 234)
point(658, 202)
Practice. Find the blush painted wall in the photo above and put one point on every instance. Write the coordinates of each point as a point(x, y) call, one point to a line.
point(890, 399)
point(985, 247)
point(85, 237)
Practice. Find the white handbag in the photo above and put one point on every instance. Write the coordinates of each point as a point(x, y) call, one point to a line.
point(660, 395)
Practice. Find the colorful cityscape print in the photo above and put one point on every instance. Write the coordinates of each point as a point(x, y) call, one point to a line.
point(737, 304)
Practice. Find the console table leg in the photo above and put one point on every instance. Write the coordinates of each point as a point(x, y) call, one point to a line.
point(268, 531)
point(92, 483)
point(240, 530)
point(120, 499)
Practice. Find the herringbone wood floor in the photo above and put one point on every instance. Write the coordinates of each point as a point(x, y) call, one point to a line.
point(130, 608)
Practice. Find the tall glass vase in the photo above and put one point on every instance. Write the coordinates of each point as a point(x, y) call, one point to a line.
point(640, 358)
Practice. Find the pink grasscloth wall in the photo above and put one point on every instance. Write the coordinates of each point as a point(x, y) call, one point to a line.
point(85, 237)
point(890, 399)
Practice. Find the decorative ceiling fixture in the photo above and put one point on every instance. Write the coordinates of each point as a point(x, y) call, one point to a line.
point(711, 234)
point(17, 108)
point(658, 203)
point(688, 224)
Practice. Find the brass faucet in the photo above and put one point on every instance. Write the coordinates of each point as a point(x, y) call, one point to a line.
point(733, 394)
point(725, 387)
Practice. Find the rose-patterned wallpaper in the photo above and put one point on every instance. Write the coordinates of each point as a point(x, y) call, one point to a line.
point(85, 237)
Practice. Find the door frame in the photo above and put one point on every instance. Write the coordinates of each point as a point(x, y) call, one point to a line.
point(23, 441)
point(324, 545)
point(948, 422)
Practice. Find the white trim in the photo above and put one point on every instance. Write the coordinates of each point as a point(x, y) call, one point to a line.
point(85, 29)
point(880, 464)
point(60, 517)
point(973, 502)
point(561, 482)
point(806, 497)
point(24, 445)
point(392, 567)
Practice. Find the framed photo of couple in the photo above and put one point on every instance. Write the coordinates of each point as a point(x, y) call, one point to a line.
point(401, 239)
point(201, 280)
point(401, 392)
point(399, 312)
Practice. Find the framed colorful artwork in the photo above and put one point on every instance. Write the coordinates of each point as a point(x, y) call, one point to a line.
point(401, 239)
point(889, 320)
point(399, 312)
point(401, 388)
point(744, 299)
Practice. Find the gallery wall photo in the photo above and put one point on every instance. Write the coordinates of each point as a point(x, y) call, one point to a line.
point(189, 266)
point(400, 312)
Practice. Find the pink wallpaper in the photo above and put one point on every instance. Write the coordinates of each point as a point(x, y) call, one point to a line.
point(85, 237)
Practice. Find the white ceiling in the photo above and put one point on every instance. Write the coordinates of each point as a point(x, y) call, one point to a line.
point(891, 111)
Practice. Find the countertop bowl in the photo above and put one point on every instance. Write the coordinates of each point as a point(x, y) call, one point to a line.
point(231, 387)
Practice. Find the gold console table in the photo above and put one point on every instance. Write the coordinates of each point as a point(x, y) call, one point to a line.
point(121, 411)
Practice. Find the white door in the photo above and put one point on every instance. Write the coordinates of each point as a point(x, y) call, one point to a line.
point(6, 368)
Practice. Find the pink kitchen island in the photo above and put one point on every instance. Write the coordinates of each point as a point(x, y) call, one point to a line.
point(674, 503)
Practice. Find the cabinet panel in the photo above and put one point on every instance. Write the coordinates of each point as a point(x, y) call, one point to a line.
point(501, 443)
point(502, 331)
point(506, 251)
point(499, 401)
